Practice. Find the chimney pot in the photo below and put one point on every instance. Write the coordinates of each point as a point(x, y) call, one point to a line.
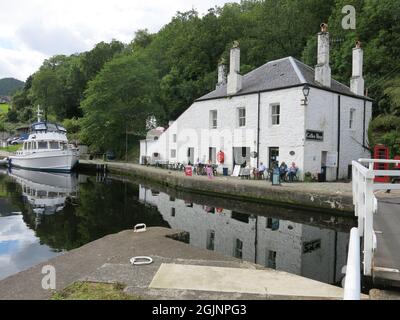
point(324, 27)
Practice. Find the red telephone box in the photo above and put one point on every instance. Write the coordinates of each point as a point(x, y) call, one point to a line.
point(381, 152)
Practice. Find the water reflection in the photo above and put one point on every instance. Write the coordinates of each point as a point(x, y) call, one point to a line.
point(45, 214)
point(311, 251)
point(45, 192)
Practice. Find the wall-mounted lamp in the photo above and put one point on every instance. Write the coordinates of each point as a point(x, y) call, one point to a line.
point(306, 92)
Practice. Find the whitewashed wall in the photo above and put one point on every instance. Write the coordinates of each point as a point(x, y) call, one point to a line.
point(289, 134)
point(193, 130)
point(322, 115)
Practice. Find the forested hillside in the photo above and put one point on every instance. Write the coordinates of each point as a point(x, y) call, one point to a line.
point(102, 93)
point(8, 86)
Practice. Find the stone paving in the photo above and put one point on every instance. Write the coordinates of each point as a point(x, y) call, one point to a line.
point(107, 260)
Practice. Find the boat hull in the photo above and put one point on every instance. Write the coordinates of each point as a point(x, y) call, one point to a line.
point(61, 161)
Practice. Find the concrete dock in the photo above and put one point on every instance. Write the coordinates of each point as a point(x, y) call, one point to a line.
point(107, 260)
point(314, 196)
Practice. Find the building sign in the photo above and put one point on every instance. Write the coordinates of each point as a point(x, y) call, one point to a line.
point(311, 246)
point(236, 171)
point(314, 135)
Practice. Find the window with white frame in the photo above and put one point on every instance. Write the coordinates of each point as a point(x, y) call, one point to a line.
point(275, 114)
point(213, 119)
point(174, 138)
point(351, 118)
point(173, 153)
point(242, 117)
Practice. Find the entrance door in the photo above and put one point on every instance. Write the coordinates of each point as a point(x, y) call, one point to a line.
point(324, 156)
point(273, 156)
point(190, 156)
point(241, 156)
point(212, 155)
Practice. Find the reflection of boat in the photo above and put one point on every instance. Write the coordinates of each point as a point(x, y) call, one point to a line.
point(46, 192)
point(46, 148)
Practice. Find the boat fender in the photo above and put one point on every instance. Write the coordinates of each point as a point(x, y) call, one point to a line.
point(141, 227)
point(141, 260)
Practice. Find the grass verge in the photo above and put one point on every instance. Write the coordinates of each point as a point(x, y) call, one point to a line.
point(11, 148)
point(93, 291)
point(4, 107)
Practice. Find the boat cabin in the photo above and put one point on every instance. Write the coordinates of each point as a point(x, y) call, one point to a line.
point(44, 145)
point(46, 136)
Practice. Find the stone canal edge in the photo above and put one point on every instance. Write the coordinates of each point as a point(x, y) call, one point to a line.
point(330, 196)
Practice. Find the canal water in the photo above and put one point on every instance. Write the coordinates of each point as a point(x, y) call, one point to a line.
point(43, 215)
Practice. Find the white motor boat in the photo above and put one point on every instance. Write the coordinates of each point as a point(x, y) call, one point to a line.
point(46, 149)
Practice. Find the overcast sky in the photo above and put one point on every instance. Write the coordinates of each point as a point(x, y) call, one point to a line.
point(33, 30)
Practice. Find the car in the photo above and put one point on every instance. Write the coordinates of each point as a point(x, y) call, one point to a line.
point(11, 139)
point(19, 140)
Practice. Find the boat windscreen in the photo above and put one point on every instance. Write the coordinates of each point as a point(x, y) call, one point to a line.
point(60, 128)
point(51, 127)
point(39, 126)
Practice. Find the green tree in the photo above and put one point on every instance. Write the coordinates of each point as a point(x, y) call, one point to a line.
point(119, 99)
point(385, 129)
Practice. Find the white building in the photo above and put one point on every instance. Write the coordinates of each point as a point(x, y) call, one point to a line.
point(315, 253)
point(264, 116)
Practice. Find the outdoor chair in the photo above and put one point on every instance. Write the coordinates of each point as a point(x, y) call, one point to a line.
point(244, 173)
point(258, 175)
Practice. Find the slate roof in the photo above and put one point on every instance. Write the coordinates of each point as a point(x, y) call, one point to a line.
point(279, 74)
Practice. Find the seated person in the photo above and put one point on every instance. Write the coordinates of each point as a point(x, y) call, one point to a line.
point(261, 169)
point(283, 170)
point(292, 172)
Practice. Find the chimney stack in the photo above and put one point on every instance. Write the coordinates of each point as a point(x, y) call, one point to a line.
point(322, 69)
point(357, 80)
point(234, 78)
point(221, 73)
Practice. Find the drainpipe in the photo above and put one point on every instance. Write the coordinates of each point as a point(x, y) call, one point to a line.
point(365, 106)
point(338, 140)
point(258, 129)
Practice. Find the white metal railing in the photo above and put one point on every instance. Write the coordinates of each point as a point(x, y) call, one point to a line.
point(365, 203)
point(352, 283)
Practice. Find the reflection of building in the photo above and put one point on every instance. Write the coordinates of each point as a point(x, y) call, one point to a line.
point(300, 249)
point(45, 192)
